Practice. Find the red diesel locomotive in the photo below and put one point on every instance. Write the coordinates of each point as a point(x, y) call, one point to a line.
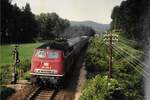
point(51, 61)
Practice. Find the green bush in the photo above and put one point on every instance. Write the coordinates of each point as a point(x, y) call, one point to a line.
point(7, 70)
point(122, 71)
point(26, 76)
point(6, 73)
point(96, 56)
point(25, 65)
point(102, 88)
point(24, 68)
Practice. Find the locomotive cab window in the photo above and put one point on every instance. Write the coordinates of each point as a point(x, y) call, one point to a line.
point(53, 55)
point(40, 54)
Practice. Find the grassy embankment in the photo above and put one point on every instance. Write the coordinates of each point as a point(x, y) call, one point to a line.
point(7, 61)
point(25, 52)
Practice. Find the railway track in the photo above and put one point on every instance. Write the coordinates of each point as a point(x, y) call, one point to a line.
point(42, 94)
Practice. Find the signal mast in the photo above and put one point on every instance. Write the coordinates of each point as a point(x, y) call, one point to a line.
point(15, 54)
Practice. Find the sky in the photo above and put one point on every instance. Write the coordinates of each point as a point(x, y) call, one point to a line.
point(74, 10)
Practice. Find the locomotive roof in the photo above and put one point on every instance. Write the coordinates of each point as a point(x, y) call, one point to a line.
point(61, 44)
point(53, 44)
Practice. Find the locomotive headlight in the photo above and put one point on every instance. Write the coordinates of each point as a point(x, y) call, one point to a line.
point(46, 64)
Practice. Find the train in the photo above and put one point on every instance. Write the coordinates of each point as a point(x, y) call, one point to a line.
point(53, 60)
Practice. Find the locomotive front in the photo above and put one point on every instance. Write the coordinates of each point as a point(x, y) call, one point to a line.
point(52, 61)
point(47, 65)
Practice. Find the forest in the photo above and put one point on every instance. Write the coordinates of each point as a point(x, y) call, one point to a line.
point(20, 25)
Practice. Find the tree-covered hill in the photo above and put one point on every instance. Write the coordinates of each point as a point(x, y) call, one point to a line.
point(96, 26)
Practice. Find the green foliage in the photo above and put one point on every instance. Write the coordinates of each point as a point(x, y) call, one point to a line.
point(25, 65)
point(22, 26)
point(18, 25)
point(51, 25)
point(5, 73)
point(102, 88)
point(129, 18)
point(7, 61)
point(128, 73)
point(96, 56)
point(26, 76)
point(128, 78)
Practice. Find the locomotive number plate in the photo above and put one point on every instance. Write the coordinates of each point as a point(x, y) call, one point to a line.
point(41, 71)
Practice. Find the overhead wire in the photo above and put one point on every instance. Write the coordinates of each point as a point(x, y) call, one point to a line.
point(145, 55)
point(140, 62)
point(123, 40)
point(132, 61)
point(133, 65)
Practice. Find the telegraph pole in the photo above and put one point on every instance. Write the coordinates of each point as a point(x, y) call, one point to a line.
point(110, 38)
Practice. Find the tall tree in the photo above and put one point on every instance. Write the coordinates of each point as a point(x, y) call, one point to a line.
point(17, 25)
point(128, 16)
point(51, 25)
point(28, 24)
point(5, 19)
